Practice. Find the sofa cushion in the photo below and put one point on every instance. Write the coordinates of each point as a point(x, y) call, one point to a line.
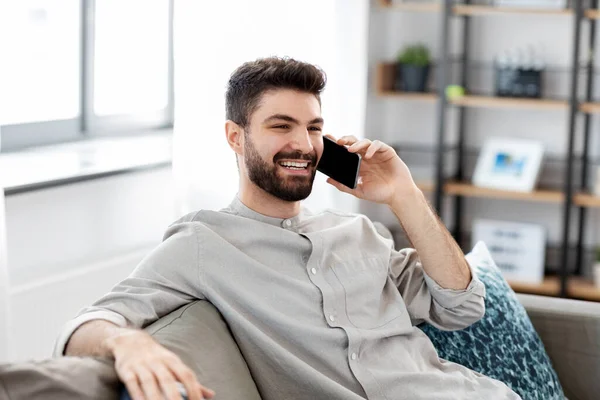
point(200, 337)
point(64, 378)
point(503, 344)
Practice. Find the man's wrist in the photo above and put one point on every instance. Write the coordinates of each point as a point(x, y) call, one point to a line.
point(406, 199)
point(121, 335)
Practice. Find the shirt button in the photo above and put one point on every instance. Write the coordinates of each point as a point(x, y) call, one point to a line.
point(331, 318)
point(287, 222)
point(314, 271)
point(353, 356)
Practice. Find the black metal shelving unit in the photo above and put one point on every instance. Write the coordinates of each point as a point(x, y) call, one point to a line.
point(587, 126)
point(447, 12)
point(573, 196)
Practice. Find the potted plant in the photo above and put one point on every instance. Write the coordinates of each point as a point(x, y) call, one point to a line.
point(412, 69)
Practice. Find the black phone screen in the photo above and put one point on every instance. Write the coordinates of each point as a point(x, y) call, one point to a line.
point(339, 164)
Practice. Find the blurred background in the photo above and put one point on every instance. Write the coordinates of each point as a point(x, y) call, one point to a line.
point(112, 116)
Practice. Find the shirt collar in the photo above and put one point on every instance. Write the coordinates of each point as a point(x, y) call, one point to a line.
point(239, 208)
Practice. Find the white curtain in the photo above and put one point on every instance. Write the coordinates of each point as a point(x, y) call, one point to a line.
point(212, 38)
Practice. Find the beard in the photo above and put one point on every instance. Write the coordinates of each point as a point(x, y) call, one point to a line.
point(266, 177)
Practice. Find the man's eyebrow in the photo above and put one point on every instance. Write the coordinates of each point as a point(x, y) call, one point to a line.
point(288, 118)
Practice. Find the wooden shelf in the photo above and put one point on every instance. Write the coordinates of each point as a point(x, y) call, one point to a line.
point(431, 97)
point(590, 108)
point(592, 14)
point(411, 6)
point(385, 75)
point(583, 289)
point(426, 186)
point(384, 85)
point(491, 10)
point(508, 102)
point(549, 287)
point(586, 200)
point(477, 10)
point(577, 288)
point(469, 190)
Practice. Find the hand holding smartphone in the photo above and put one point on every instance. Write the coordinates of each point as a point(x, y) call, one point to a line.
point(339, 164)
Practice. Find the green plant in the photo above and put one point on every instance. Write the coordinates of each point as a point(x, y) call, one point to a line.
point(417, 55)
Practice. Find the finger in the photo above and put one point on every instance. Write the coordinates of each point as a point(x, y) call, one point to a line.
point(207, 393)
point(339, 186)
point(360, 145)
point(166, 382)
point(188, 379)
point(375, 147)
point(347, 140)
point(149, 384)
point(133, 386)
point(330, 136)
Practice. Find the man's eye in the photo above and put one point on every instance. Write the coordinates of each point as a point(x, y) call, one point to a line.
point(315, 128)
point(281, 127)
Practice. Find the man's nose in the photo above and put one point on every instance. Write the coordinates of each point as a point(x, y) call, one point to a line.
point(302, 142)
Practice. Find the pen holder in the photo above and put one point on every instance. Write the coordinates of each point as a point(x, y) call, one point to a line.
point(518, 82)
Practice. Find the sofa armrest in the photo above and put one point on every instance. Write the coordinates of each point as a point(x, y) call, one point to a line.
point(570, 330)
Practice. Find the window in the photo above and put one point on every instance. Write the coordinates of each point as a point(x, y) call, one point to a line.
point(83, 67)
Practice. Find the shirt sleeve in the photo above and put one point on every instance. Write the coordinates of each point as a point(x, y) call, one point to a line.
point(164, 280)
point(426, 300)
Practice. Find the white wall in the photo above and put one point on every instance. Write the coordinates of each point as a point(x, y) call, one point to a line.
point(69, 245)
point(394, 120)
point(330, 34)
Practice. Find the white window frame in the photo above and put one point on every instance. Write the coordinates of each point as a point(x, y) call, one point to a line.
point(88, 124)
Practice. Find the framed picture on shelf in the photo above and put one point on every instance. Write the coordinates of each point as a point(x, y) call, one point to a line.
point(518, 249)
point(509, 164)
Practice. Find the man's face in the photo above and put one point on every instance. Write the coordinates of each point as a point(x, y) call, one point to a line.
point(283, 143)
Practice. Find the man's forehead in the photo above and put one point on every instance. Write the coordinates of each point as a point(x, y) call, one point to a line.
point(301, 106)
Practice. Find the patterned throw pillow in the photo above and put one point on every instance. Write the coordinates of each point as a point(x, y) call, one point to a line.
point(503, 344)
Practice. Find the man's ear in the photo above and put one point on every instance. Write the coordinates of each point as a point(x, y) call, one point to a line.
point(235, 137)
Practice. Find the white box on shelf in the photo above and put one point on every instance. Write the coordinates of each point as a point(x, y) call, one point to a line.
point(509, 164)
point(518, 249)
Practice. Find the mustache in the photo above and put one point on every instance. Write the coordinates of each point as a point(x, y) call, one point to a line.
point(297, 155)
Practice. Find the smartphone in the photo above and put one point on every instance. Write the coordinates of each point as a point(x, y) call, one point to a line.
point(339, 164)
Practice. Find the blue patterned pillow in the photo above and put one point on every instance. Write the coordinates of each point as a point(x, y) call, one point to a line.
point(503, 344)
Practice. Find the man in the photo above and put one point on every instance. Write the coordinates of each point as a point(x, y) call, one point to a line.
point(321, 305)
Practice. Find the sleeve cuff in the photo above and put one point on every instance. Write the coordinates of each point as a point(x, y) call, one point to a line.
point(71, 326)
point(452, 298)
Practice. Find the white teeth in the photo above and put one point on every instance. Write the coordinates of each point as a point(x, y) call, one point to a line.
point(294, 164)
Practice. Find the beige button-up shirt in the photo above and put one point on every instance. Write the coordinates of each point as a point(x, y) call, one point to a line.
point(321, 305)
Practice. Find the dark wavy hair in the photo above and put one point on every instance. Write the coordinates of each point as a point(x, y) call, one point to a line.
point(252, 79)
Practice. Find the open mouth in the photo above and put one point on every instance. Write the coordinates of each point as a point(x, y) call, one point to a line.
point(295, 165)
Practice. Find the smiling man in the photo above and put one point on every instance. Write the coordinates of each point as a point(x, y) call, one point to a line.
point(321, 305)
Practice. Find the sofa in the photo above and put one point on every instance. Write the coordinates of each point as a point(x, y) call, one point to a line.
point(197, 333)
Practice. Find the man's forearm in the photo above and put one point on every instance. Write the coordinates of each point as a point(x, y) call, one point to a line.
point(93, 339)
point(440, 255)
